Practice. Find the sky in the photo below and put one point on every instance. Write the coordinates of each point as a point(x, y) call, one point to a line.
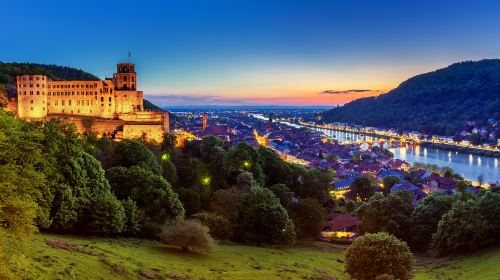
point(287, 52)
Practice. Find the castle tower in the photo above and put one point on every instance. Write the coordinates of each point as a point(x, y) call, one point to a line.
point(31, 96)
point(125, 77)
point(204, 122)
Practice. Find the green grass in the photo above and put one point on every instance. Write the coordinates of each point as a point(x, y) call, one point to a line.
point(133, 258)
point(140, 259)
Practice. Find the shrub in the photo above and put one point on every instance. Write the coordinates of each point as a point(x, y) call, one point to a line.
point(220, 227)
point(379, 256)
point(189, 235)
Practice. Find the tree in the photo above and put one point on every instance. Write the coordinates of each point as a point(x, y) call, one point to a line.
point(106, 216)
point(228, 203)
point(220, 227)
point(308, 217)
point(362, 188)
point(132, 223)
point(489, 207)
point(283, 193)
point(389, 214)
point(245, 157)
point(425, 218)
point(264, 220)
point(373, 255)
point(245, 181)
point(130, 153)
point(480, 180)
point(189, 235)
point(169, 141)
point(275, 169)
point(389, 182)
point(462, 229)
point(313, 183)
point(475, 139)
point(154, 196)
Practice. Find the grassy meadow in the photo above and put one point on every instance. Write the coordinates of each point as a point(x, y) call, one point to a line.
point(83, 258)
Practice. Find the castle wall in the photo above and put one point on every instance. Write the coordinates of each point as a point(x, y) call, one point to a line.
point(32, 96)
point(148, 132)
point(111, 107)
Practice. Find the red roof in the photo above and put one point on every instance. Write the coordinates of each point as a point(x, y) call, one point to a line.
point(342, 221)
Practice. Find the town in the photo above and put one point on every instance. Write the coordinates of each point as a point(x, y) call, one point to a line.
point(311, 148)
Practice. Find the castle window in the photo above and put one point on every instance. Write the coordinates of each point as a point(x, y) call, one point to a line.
point(102, 99)
point(37, 92)
point(132, 79)
point(124, 78)
point(31, 101)
point(62, 103)
point(44, 108)
point(110, 99)
point(31, 92)
point(69, 102)
point(37, 78)
point(37, 85)
point(31, 108)
point(31, 85)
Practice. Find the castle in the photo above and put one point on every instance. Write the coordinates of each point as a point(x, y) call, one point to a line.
point(112, 107)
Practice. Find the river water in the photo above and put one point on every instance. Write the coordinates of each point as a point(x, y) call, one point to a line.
point(466, 165)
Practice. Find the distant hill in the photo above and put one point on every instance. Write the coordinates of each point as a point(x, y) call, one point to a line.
point(150, 106)
point(436, 102)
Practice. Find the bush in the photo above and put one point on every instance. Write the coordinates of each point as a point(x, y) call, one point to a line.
point(189, 235)
point(220, 227)
point(379, 256)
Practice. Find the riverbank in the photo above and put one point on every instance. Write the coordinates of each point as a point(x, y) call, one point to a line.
point(464, 150)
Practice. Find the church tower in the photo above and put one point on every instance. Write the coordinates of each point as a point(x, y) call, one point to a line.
point(125, 77)
point(204, 121)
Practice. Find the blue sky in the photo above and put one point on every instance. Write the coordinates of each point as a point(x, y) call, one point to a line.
point(253, 52)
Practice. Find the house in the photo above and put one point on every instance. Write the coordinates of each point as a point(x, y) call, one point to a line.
point(391, 172)
point(436, 183)
point(340, 227)
point(418, 194)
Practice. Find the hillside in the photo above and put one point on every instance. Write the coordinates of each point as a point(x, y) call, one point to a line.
point(86, 258)
point(435, 102)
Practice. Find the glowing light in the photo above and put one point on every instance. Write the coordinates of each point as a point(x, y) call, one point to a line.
point(205, 181)
point(165, 157)
point(246, 164)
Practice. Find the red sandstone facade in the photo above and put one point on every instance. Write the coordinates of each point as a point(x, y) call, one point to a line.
point(112, 106)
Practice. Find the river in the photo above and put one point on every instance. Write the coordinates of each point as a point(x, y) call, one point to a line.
point(466, 165)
